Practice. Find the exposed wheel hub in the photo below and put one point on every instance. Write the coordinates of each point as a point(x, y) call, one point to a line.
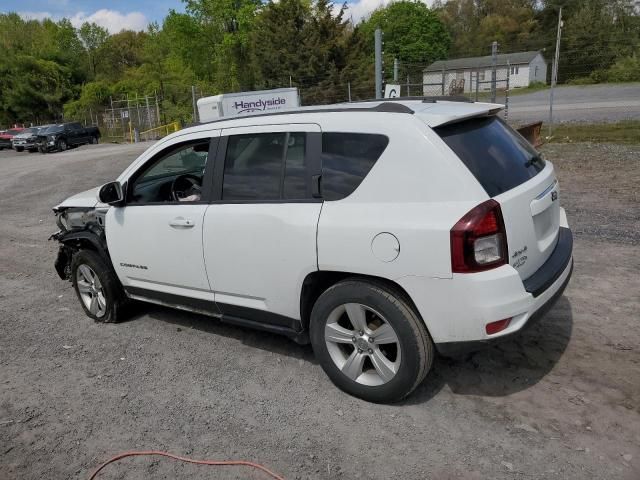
point(362, 343)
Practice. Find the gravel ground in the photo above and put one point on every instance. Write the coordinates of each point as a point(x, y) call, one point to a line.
point(562, 401)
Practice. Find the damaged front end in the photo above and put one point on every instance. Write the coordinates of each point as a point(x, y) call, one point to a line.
point(80, 228)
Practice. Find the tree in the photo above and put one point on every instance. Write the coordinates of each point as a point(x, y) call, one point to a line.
point(226, 27)
point(475, 24)
point(412, 32)
point(119, 53)
point(280, 31)
point(93, 37)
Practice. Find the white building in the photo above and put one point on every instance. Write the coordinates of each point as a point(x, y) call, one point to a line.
point(524, 67)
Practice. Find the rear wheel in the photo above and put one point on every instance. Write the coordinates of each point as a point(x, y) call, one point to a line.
point(369, 341)
point(97, 287)
point(94, 140)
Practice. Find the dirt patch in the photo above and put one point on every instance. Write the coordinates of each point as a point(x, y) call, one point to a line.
point(561, 401)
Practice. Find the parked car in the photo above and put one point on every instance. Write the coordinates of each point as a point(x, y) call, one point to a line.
point(27, 139)
point(6, 136)
point(66, 135)
point(379, 232)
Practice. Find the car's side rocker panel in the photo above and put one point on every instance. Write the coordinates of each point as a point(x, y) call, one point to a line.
point(242, 316)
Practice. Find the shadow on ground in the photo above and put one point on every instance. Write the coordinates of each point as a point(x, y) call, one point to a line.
point(503, 369)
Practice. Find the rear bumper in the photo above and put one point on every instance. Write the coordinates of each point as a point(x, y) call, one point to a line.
point(453, 349)
point(546, 275)
point(457, 310)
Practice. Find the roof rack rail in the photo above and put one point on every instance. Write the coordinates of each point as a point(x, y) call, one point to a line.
point(431, 99)
point(384, 106)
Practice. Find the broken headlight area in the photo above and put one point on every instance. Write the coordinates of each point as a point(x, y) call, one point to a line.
point(79, 228)
point(79, 219)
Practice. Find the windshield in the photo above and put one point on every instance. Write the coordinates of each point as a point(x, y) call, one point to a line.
point(496, 155)
point(53, 129)
point(29, 131)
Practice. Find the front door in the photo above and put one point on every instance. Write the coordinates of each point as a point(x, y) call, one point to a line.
point(260, 230)
point(155, 240)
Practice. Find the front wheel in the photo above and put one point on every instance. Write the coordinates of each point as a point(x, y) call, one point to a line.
point(370, 341)
point(19, 149)
point(97, 287)
point(62, 145)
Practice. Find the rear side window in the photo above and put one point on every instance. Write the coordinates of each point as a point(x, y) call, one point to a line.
point(497, 156)
point(346, 159)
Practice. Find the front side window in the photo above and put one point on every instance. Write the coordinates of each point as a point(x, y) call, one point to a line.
point(175, 175)
point(346, 159)
point(265, 166)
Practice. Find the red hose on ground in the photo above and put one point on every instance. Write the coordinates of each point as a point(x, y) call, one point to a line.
point(188, 460)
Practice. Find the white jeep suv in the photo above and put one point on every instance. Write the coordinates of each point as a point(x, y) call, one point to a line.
point(381, 232)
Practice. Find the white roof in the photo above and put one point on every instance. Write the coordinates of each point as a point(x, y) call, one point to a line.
point(432, 113)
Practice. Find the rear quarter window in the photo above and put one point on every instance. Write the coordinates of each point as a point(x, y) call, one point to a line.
point(497, 156)
point(346, 159)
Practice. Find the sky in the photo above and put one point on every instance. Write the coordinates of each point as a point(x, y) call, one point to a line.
point(115, 15)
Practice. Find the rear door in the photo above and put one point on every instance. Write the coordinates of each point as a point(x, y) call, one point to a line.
point(260, 230)
point(512, 173)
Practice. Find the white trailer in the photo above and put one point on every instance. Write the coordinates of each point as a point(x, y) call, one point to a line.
point(243, 103)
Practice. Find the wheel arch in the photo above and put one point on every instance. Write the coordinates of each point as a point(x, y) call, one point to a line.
point(74, 241)
point(316, 283)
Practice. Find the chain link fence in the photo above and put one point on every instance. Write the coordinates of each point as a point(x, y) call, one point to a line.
point(592, 88)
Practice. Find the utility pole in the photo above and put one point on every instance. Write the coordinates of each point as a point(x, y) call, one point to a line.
point(378, 62)
point(506, 94)
point(195, 106)
point(494, 64)
point(395, 70)
point(554, 72)
point(349, 90)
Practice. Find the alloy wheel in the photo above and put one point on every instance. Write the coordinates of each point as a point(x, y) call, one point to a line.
point(362, 344)
point(91, 290)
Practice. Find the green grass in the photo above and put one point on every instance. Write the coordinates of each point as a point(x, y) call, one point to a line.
point(626, 132)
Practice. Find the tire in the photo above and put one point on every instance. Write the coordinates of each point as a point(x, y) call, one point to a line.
point(355, 363)
point(62, 145)
point(19, 149)
point(94, 140)
point(110, 301)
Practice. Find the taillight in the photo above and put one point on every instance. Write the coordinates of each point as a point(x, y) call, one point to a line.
point(479, 240)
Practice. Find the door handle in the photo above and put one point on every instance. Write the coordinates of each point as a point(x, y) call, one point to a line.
point(180, 222)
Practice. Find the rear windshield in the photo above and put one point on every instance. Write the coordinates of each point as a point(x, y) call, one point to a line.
point(496, 155)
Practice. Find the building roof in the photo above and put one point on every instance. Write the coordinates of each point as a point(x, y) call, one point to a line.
point(518, 58)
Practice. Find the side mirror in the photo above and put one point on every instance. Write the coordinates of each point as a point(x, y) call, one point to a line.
point(111, 193)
